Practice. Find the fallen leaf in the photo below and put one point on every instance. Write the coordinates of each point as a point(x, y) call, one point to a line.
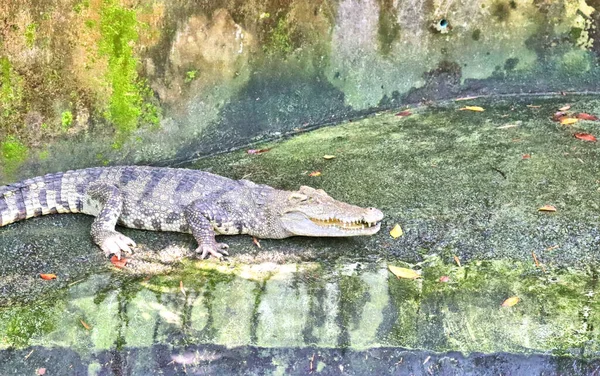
point(404, 272)
point(181, 288)
point(118, 263)
point(256, 242)
point(585, 137)
point(40, 371)
point(85, 325)
point(547, 208)
point(568, 121)
point(258, 151)
point(472, 108)
point(559, 115)
point(511, 301)
point(584, 116)
point(533, 106)
point(396, 232)
point(444, 278)
point(537, 263)
point(565, 107)
point(457, 260)
point(404, 113)
point(526, 156)
point(507, 126)
point(315, 173)
point(466, 98)
point(328, 157)
point(48, 277)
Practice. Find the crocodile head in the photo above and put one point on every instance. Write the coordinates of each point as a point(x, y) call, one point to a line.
point(312, 212)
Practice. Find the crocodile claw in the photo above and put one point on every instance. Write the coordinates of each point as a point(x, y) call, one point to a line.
point(115, 243)
point(218, 250)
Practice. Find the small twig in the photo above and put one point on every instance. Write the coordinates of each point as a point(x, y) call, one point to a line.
point(28, 355)
point(500, 172)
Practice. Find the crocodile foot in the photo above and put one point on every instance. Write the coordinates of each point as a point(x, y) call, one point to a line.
point(116, 242)
point(218, 250)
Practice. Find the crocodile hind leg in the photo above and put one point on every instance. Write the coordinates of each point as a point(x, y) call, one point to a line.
point(198, 217)
point(105, 201)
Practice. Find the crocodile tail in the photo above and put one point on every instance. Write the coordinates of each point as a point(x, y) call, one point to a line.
point(48, 194)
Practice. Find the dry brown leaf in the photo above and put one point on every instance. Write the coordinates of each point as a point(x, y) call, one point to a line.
point(404, 272)
point(511, 301)
point(258, 151)
point(328, 157)
point(85, 325)
point(404, 113)
point(566, 107)
point(585, 137)
point(457, 260)
point(547, 208)
point(118, 263)
point(537, 263)
point(526, 156)
point(584, 116)
point(48, 277)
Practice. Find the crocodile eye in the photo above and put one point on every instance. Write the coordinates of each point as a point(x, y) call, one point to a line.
point(298, 197)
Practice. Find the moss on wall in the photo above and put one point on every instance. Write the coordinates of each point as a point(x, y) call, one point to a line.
point(119, 30)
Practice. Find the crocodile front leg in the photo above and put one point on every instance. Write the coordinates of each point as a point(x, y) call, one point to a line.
point(198, 216)
point(107, 198)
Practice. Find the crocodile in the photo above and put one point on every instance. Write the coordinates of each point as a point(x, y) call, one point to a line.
point(182, 200)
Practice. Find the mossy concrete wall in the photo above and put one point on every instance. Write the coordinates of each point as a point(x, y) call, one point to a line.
point(96, 82)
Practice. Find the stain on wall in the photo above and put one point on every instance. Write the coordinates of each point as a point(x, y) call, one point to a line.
point(98, 82)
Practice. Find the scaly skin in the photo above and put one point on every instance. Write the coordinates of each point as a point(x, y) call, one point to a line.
point(189, 201)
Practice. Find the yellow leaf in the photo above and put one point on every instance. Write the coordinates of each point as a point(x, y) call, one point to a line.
point(548, 208)
point(404, 272)
point(472, 108)
point(511, 301)
point(85, 325)
point(396, 232)
point(315, 173)
point(568, 121)
point(328, 157)
point(457, 260)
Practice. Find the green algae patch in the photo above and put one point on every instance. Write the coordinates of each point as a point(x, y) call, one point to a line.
point(465, 313)
point(279, 40)
point(12, 154)
point(128, 103)
point(18, 325)
point(11, 96)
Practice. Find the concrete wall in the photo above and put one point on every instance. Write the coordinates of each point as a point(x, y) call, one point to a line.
point(97, 82)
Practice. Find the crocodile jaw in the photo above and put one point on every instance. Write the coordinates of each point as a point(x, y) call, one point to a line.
point(300, 224)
